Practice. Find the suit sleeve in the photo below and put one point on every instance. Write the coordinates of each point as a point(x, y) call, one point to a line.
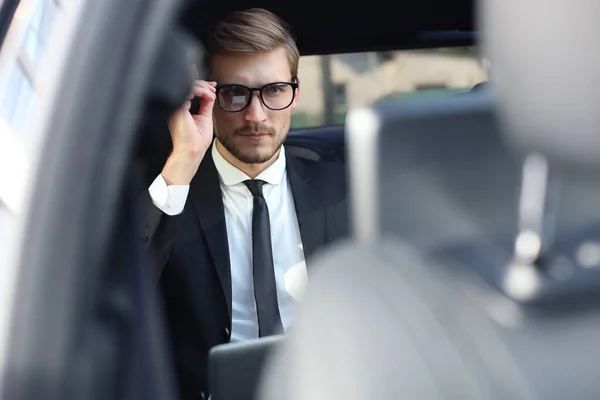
point(161, 206)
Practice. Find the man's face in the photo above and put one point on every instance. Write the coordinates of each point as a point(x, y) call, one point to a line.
point(255, 134)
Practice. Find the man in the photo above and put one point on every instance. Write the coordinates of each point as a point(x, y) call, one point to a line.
point(239, 214)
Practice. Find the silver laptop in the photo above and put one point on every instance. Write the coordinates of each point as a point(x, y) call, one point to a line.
point(235, 369)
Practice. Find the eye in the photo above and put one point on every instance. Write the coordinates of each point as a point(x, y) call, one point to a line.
point(234, 91)
point(274, 89)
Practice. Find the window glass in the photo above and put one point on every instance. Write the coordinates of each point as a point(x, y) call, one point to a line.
point(22, 70)
point(11, 93)
point(19, 101)
point(28, 81)
point(330, 85)
point(34, 45)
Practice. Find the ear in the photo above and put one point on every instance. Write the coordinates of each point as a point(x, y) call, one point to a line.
point(296, 94)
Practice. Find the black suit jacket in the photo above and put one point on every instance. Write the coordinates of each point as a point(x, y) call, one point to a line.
point(193, 256)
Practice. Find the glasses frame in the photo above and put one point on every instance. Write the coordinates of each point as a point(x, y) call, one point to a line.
point(293, 84)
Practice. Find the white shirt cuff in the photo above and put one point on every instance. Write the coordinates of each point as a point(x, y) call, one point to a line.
point(169, 199)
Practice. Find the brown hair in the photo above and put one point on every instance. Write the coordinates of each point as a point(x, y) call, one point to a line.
point(250, 31)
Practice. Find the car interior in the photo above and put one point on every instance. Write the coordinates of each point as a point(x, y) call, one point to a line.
point(334, 30)
point(87, 321)
point(86, 325)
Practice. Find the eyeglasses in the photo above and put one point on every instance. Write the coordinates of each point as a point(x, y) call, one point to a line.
point(275, 96)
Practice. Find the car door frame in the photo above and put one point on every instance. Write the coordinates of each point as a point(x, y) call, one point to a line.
point(70, 213)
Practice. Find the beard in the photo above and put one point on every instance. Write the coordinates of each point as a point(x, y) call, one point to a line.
point(254, 153)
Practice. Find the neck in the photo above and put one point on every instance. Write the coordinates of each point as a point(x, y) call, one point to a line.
point(252, 170)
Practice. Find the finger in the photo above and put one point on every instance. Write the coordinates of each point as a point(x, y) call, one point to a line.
point(207, 87)
point(201, 83)
point(201, 90)
point(204, 86)
point(196, 84)
point(206, 108)
point(204, 93)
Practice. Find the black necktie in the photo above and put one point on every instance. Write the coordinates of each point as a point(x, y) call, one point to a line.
point(265, 290)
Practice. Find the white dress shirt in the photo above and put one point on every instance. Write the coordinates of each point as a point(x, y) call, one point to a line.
point(288, 255)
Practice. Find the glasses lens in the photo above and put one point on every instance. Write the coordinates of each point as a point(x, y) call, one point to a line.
point(278, 96)
point(233, 97)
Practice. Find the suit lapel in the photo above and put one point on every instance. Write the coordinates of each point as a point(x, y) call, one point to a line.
point(208, 205)
point(205, 193)
point(307, 200)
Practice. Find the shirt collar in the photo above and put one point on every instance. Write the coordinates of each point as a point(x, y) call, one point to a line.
point(230, 175)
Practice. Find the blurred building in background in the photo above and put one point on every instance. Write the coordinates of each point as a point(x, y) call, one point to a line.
point(330, 85)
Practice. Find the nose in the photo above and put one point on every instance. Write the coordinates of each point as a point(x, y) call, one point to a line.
point(255, 112)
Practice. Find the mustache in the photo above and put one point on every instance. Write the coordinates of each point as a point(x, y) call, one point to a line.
point(255, 129)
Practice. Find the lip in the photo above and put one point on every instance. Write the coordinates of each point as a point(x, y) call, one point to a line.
point(255, 136)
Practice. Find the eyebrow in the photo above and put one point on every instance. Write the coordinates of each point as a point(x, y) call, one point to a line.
point(255, 86)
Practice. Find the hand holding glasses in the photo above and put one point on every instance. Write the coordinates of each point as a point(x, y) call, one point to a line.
point(235, 97)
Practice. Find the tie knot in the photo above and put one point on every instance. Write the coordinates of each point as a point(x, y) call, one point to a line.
point(255, 186)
